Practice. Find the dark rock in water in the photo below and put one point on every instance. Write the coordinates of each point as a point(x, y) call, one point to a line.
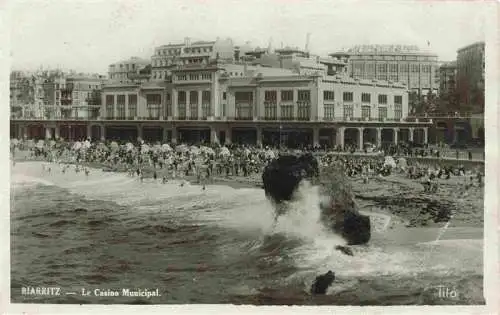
point(322, 283)
point(344, 249)
point(281, 179)
point(282, 176)
point(357, 228)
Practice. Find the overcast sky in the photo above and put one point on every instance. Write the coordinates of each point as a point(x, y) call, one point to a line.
point(89, 35)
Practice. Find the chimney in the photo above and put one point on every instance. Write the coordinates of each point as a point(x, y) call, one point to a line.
point(187, 41)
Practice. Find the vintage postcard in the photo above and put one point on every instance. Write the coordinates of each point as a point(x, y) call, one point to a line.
point(214, 156)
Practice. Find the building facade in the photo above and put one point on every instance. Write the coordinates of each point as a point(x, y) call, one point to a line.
point(204, 103)
point(127, 70)
point(168, 57)
point(195, 91)
point(447, 75)
point(470, 77)
point(396, 63)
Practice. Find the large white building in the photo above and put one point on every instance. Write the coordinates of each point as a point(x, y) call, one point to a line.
point(199, 92)
point(259, 105)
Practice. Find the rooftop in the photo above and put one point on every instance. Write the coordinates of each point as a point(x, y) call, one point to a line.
point(137, 60)
point(383, 50)
point(471, 46)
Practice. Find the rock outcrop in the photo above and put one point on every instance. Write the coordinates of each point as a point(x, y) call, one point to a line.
point(281, 179)
point(282, 176)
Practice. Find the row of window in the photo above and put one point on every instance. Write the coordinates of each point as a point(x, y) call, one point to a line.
point(398, 57)
point(170, 62)
point(329, 112)
point(127, 66)
point(247, 97)
point(360, 67)
point(177, 51)
point(365, 97)
point(169, 52)
point(194, 76)
point(287, 96)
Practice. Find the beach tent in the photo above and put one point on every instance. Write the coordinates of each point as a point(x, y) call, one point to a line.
point(207, 150)
point(129, 146)
point(224, 151)
point(145, 148)
point(101, 146)
point(157, 148)
point(87, 144)
point(269, 154)
point(114, 146)
point(77, 145)
point(402, 163)
point(40, 144)
point(194, 150)
point(182, 148)
point(166, 147)
point(389, 161)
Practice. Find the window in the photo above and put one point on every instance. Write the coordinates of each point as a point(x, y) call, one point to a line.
point(347, 96)
point(348, 111)
point(328, 96)
point(366, 97)
point(382, 113)
point(205, 110)
point(181, 97)
point(398, 111)
point(244, 111)
point(168, 105)
point(304, 111)
point(286, 112)
point(182, 110)
point(414, 68)
point(365, 112)
point(403, 68)
point(270, 110)
point(132, 105)
point(382, 67)
point(398, 99)
point(382, 99)
point(120, 106)
point(224, 95)
point(153, 99)
point(304, 96)
point(329, 112)
point(110, 102)
point(244, 105)
point(393, 68)
point(270, 96)
point(193, 97)
point(205, 96)
point(243, 96)
point(287, 96)
point(206, 76)
point(181, 77)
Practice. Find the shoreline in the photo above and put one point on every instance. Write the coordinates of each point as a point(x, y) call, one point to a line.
point(383, 199)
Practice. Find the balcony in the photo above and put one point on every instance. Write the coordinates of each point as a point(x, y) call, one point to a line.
point(307, 118)
point(269, 118)
point(243, 118)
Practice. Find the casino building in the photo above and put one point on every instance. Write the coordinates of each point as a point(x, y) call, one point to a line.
point(299, 100)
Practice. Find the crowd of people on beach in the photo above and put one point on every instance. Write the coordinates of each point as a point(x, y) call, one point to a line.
point(202, 163)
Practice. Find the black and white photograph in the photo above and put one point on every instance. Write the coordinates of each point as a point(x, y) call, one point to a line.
point(264, 153)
